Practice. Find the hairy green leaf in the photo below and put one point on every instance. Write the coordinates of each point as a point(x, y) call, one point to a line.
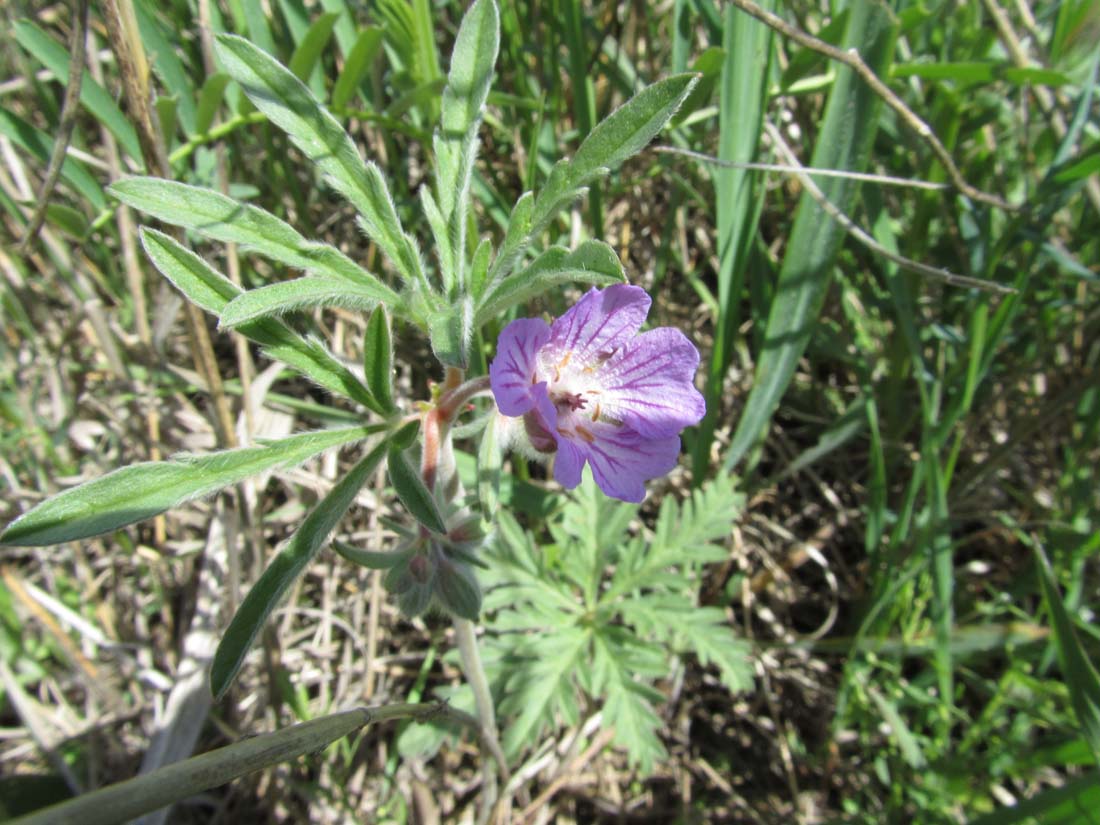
point(284, 570)
point(450, 329)
point(378, 358)
point(619, 136)
point(593, 262)
point(212, 291)
point(141, 491)
point(412, 492)
point(298, 294)
point(218, 216)
point(288, 103)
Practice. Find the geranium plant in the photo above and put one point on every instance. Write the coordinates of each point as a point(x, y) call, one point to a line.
point(588, 388)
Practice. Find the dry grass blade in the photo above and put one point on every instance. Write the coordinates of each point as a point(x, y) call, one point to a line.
point(852, 60)
point(77, 41)
point(860, 235)
point(888, 180)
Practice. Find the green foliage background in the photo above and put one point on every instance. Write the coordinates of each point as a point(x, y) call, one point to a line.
point(891, 508)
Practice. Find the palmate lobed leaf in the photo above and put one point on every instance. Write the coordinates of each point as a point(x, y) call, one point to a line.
point(284, 570)
point(141, 491)
point(212, 291)
point(288, 103)
point(222, 218)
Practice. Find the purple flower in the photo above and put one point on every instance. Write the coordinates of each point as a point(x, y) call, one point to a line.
point(590, 388)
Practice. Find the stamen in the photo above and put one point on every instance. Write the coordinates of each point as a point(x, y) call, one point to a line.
point(583, 433)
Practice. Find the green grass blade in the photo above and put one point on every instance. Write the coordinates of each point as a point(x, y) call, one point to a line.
point(356, 66)
point(304, 60)
point(747, 47)
point(93, 97)
point(144, 490)
point(844, 143)
point(38, 144)
point(284, 570)
point(286, 101)
point(1080, 675)
point(167, 64)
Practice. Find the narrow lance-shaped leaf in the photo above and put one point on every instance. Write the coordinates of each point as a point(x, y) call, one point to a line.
point(284, 570)
point(288, 103)
point(516, 239)
point(142, 491)
point(212, 291)
point(413, 493)
point(297, 294)
point(471, 73)
point(217, 216)
point(1080, 675)
point(593, 262)
point(378, 358)
point(621, 135)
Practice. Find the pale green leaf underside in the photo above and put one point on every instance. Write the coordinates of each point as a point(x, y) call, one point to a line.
point(298, 294)
point(212, 291)
point(284, 570)
point(142, 491)
point(221, 218)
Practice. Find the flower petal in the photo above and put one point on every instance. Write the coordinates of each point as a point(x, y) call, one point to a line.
point(512, 373)
point(598, 323)
point(568, 464)
point(622, 460)
point(649, 384)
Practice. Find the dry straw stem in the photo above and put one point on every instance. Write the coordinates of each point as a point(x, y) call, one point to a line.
point(860, 235)
point(793, 167)
point(126, 43)
point(1047, 102)
point(852, 60)
point(77, 40)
